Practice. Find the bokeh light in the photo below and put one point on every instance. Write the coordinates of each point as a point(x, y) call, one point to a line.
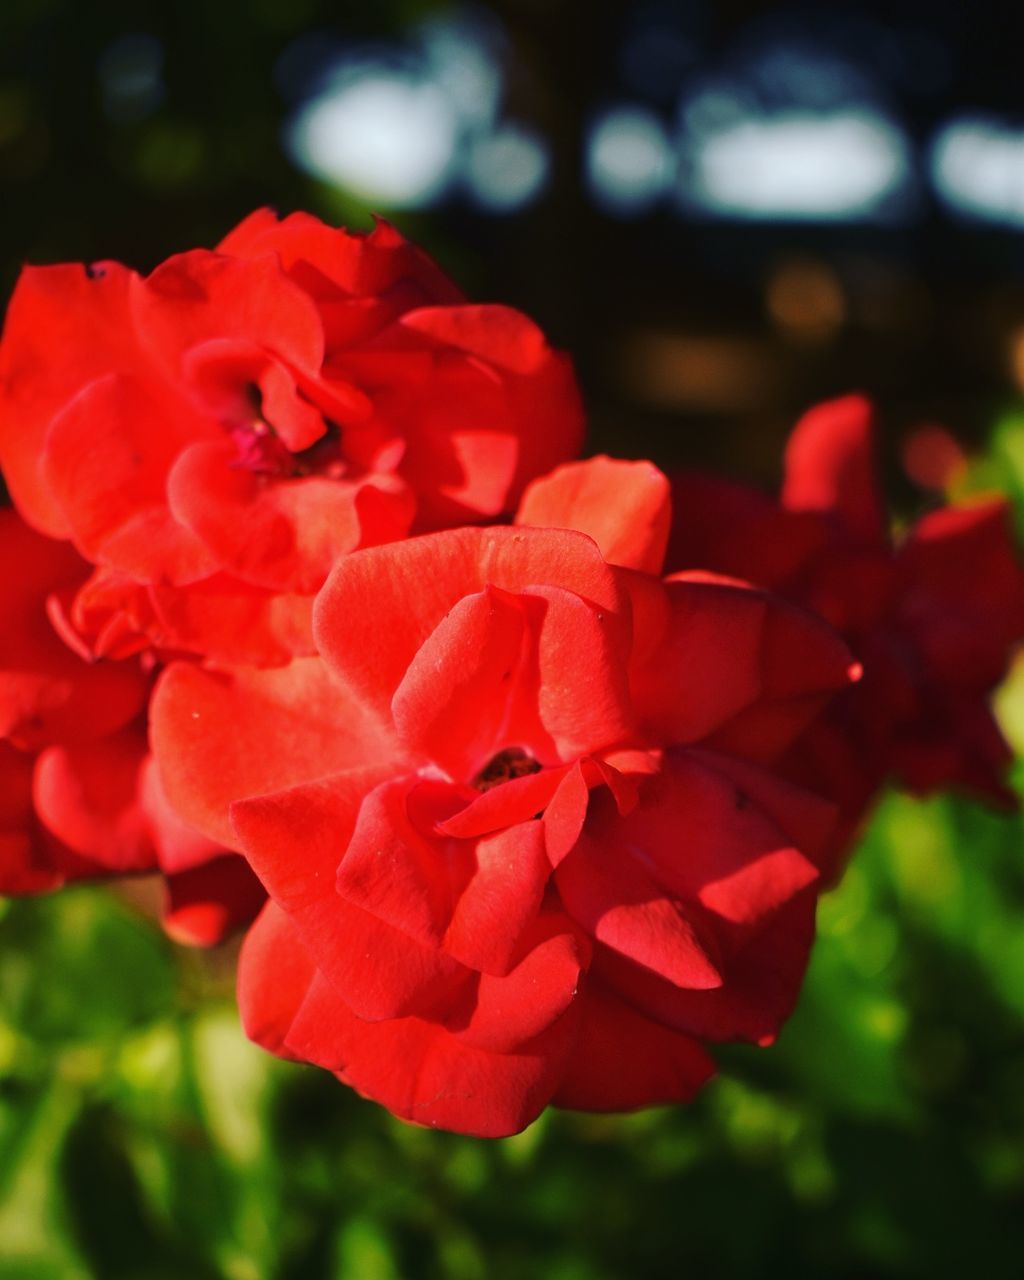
point(131, 77)
point(462, 53)
point(977, 166)
point(805, 299)
point(629, 160)
point(384, 134)
point(846, 166)
point(507, 169)
point(403, 125)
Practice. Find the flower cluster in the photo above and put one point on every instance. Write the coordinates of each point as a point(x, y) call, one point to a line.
point(934, 616)
point(523, 773)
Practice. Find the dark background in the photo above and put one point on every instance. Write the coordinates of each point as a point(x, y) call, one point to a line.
point(681, 350)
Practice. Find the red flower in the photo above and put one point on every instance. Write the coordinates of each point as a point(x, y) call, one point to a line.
point(213, 436)
point(933, 616)
point(515, 822)
point(79, 798)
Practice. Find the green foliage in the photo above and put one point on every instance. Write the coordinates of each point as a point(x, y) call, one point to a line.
point(1001, 468)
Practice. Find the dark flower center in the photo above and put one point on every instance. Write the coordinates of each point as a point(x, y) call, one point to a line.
point(259, 449)
point(262, 450)
point(511, 763)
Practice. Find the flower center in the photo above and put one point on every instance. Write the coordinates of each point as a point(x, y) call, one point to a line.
point(260, 449)
point(511, 763)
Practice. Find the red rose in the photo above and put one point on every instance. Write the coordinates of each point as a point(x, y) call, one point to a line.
point(933, 616)
point(213, 436)
point(79, 798)
point(515, 822)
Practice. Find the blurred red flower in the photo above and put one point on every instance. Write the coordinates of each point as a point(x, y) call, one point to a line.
point(517, 824)
point(933, 615)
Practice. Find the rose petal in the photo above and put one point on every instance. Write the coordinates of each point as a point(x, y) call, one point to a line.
point(179, 846)
point(729, 528)
point(83, 313)
point(274, 975)
point(284, 534)
point(473, 899)
point(512, 802)
point(624, 506)
point(106, 459)
point(294, 841)
point(29, 855)
point(611, 895)
point(198, 296)
point(502, 336)
point(47, 692)
point(622, 1060)
point(762, 979)
point(207, 903)
point(735, 661)
point(88, 796)
point(424, 1074)
point(223, 736)
point(454, 700)
point(830, 467)
point(706, 841)
point(511, 1009)
point(380, 605)
point(328, 259)
point(221, 618)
